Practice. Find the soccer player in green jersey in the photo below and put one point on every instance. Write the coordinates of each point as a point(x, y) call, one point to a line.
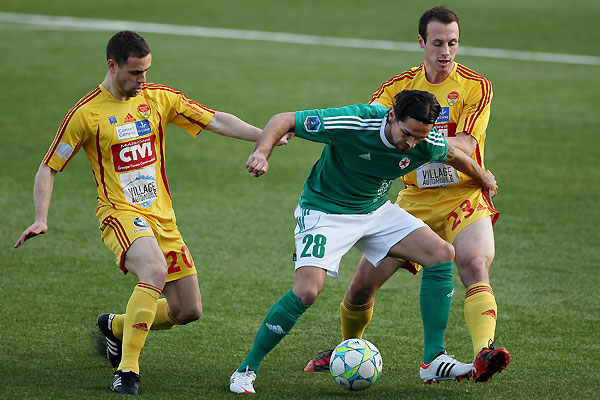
point(344, 204)
point(451, 203)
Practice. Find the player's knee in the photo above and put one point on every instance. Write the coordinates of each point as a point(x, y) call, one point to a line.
point(189, 315)
point(153, 273)
point(444, 252)
point(187, 312)
point(158, 272)
point(481, 264)
point(474, 269)
point(308, 294)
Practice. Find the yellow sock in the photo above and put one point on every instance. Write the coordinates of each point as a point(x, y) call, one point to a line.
point(480, 313)
point(117, 326)
point(355, 318)
point(162, 319)
point(139, 316)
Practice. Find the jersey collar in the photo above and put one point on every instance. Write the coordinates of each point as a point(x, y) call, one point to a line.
point(382, 133)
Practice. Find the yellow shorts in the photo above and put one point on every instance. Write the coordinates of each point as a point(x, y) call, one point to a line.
point(446, 210)
point(121, 228)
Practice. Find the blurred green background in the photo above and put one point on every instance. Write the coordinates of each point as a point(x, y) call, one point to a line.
point(541, 145)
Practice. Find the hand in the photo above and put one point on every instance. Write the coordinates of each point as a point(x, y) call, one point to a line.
point(37, 228)
point(284, 140)
point(490, 188)
point(257, 164)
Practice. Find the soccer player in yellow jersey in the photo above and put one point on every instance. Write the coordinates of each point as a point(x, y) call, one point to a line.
point(450, 202)
point(121, 126)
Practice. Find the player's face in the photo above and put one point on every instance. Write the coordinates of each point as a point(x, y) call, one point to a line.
point(440, 47)
point(405, 135)
point(129, 77)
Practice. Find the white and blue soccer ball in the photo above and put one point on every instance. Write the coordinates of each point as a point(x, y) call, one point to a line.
point(355, 364)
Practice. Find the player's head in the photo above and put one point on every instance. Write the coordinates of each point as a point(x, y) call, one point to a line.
point(416, 104)
point(125, 44)
point(128, 58)
point(411, 118)
point(439, 32)
point(440, 14)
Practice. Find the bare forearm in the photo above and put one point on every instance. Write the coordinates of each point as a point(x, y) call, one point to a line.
point(466, 164)
point(42, 192)
point(464, 142)
point(277, 127)
point(229, 125)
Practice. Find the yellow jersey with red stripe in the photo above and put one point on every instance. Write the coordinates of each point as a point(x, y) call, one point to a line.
point(125, 145)
point(465, 97)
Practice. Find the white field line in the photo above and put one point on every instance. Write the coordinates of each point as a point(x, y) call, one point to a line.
point(72, 23)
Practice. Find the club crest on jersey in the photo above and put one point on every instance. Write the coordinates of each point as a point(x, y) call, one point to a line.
point(405, 162)
point(453, 97)
point(112, 120)
point(144, 109)
point(312, 123)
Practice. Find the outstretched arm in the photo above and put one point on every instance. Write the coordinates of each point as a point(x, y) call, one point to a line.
point(277, 127)
point(466, 164)
point(464, 142)
point(229, 125)
point(42, 192)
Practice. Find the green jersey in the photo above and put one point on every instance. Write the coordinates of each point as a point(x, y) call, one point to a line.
point(358, 164)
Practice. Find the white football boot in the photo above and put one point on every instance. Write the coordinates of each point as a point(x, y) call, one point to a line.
point(242, 382)
point(445, 368)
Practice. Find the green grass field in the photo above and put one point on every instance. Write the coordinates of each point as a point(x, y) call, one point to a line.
point(541, 145)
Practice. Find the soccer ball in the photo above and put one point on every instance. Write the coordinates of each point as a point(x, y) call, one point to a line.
point(355, 364)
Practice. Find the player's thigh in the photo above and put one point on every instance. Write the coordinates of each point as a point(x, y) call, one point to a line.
point(120, 230)
point(469, 207)
point(180, 263)
point(322, 239)
point(184, 298)
point(475, 251)
point(423, 246)
point(181, 290)
point(387, 226)
point(145, 259)
point(447, 210)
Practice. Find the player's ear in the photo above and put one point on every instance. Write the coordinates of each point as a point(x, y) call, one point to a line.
point(421, 41)
point(112, 65)
point(391, 115)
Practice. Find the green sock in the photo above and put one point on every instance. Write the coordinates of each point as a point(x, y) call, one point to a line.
point(280, 319)
point(436, 296)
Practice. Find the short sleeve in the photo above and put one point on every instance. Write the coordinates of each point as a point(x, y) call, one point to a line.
point(190, 114)
point(310, 126)
point(68, 140)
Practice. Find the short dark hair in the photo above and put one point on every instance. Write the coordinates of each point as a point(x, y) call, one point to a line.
point(125, 44)
point(416, 104)
point(439, 13)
